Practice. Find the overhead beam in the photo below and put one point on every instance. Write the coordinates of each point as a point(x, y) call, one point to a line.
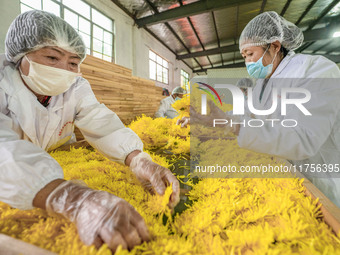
point(323, 13)
point(285, 8)
point(190, 10)
point(309, 36)
point(263, 5)
point(116, 2)
point(230, 48)
point(309, 7)
point(320, 33)
point(217, 37)
point(304, 46)
point(334, 58)
point(155, 9)
point(204, 70)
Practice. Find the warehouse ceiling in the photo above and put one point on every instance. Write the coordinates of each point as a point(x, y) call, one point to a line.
point(204, 34)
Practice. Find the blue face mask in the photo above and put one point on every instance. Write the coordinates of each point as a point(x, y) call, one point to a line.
point(177, 98)
point(257, 70)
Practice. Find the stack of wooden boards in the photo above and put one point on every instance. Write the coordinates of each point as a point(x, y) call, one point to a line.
point(114, 86)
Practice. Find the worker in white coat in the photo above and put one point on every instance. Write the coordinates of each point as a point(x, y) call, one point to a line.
point(165, 109)
point(42, 98)
point(267, 44)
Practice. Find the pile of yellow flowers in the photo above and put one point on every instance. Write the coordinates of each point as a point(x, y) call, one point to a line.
point(163, 133)
point(226, 216)
point(222, 216)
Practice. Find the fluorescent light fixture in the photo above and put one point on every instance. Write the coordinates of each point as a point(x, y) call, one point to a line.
point(336, 34)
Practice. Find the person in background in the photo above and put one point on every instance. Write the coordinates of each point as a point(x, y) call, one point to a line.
point(165, 109)
point(165, 92)
point(42, 98)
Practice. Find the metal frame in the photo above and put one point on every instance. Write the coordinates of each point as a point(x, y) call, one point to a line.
point(204, 70)
point(311, 25)
point(154, 8)
point(161, 66)
point(310, 6)
point(203, 6)
point(285, 8)
point(189, 10)
point(263, 5)
point(217, 37)
point(309, 36)
point(195, 32)
point(148, 30)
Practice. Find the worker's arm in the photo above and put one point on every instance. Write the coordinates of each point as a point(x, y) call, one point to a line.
point(100, 217)
point(161, 110)
point(24, 167)
point(102, 128)
point(104, 131)
point(40, 198)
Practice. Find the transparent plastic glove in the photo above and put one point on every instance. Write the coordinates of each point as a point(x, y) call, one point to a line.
point(183, 121)
point(100, 217)
point(215, 113)
point(155, 177)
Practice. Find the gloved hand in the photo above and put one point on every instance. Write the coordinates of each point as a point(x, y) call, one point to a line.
point(100, 217)
point(183, 121)
point(155, 177)
point(216, 113)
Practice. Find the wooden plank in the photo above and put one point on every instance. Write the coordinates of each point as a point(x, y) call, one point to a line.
point(330, 211)
point(128, 96)
point(12, 246)
point(93, 61)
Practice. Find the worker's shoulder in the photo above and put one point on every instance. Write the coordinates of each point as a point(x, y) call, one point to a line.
point(307, 58)
point(167, 100)
point(316, 66)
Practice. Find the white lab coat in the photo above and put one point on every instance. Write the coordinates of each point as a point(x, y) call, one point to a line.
point(28, 130)
point(316, 139)
point(165, 109)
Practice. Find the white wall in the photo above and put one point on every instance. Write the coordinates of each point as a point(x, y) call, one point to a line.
point(9, 9)
point(240, 72)
point(131, 45)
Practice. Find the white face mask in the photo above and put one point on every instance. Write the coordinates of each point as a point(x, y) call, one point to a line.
point(48, 81)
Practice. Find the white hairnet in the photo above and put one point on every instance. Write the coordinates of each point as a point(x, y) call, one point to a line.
point(269, 27)
point(178, 90)
point(35, 29)
point(244, 83)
